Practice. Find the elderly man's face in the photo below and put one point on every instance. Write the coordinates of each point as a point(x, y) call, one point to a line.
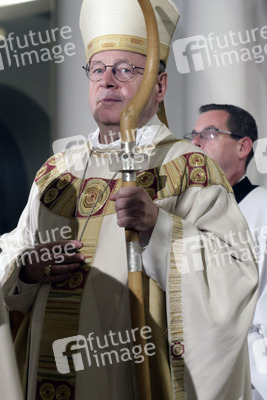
point(109, 96)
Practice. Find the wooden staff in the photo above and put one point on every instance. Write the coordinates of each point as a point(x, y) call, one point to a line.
point(129, 122)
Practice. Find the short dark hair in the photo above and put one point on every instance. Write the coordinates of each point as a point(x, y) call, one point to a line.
point(162, 67)
point(239, 122)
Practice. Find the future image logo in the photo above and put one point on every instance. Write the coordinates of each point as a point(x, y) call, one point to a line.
point(191, 54)
point(197, 53)
point(77, 353)
point(74, 144)
point(73, 349)
point(4, 53)
point(71, 142)
point(36, 47)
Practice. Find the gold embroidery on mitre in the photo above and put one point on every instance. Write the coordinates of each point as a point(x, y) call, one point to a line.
point(196, 160)
point(50, 195)
point(132, 43)
point(90, 194)
point(198, 175)
point(108, 45)
point(47, 391)
point(145, 179)
point(137, 41)
point(63, 393)
point(64, 181)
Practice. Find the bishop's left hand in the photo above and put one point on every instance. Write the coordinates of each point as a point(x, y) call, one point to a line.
point(135, 210)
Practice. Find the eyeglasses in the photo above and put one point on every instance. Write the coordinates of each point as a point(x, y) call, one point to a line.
point(209, 134)
point(122, 70)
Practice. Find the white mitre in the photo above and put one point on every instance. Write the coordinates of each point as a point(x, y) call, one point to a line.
point(120, 25)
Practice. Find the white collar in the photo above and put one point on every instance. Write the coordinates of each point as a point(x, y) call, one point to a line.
point(242, 177)
point(144, 136)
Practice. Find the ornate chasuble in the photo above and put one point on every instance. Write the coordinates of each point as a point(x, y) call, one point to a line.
point(59, 190)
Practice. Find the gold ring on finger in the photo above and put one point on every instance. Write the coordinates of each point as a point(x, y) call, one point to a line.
point(47, 270)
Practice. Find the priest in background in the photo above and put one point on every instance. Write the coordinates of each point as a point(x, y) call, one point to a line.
point(226, 133)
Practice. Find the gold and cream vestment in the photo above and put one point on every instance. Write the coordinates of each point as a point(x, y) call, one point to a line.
point(200, 296)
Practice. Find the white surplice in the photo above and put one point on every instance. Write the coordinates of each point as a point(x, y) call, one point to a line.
point(253, 207)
